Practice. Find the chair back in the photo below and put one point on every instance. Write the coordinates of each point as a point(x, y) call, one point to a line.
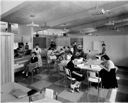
point(92, 74)
point(49, 93)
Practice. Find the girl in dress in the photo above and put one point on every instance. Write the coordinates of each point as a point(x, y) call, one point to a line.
point(38, 51)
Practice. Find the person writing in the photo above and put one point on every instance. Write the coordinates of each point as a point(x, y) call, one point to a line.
point(108, 73)
point(76, 72)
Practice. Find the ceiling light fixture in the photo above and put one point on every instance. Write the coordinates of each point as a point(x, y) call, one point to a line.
point(32, 24)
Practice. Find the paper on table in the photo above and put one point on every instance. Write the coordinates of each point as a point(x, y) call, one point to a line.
point(97, 67)
point(82, 66)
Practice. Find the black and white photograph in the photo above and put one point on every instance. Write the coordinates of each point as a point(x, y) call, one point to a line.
point(59, 51)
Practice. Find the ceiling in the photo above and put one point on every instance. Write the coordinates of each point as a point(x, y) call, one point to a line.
point(73, 15)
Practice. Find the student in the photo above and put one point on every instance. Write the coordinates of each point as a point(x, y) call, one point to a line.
point(38, 51)
point(33, 59)
point(74, 46)
point(76, 72)
point(27, 46)
point(51, 57)
point(108, 73)
point(52, 45)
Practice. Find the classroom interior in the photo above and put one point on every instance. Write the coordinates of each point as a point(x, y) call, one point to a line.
point(89, 23)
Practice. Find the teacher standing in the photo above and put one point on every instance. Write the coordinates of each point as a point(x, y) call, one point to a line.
point(38, 51)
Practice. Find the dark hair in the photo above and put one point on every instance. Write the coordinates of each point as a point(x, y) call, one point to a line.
point(34, 53)
point(37, 44)
point(105, 57)
point(68, 47)
point(103, 44)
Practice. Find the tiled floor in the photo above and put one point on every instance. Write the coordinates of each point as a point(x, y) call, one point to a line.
point(56, 82)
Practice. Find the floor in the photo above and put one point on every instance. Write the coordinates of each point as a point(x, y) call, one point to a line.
point(55, 80)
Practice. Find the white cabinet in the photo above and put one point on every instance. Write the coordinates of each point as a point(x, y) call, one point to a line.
point(6, 57)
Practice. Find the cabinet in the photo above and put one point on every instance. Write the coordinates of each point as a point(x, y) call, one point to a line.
point(6, 57)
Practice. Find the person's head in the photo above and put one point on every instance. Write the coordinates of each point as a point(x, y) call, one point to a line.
point(105, 58)
point(103, 44)
point(26, 43)
point(33, 54)
point(79, 47)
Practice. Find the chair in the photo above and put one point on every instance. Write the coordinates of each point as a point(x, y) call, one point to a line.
point(60, 69)
point(32, 67)
point(50, 62)
point(68, 75)
point(50, 94)
point(92, 78)
point(109, 78)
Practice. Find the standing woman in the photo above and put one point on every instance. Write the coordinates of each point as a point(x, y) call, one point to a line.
point(103, 49)
point(38, 51)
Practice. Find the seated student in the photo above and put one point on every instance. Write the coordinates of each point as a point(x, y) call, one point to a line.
point(108, 73)
point(51, 55)
point(33, 59)
point(75, 71)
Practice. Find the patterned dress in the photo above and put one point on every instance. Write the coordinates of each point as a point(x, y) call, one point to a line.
point(38, 51)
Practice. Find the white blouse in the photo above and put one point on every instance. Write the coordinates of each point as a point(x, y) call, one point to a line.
point(38, 51)
point(109, 65)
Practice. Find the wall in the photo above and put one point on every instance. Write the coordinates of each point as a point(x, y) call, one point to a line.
point(63, 41)
point(24, 35)
point(116, 45)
